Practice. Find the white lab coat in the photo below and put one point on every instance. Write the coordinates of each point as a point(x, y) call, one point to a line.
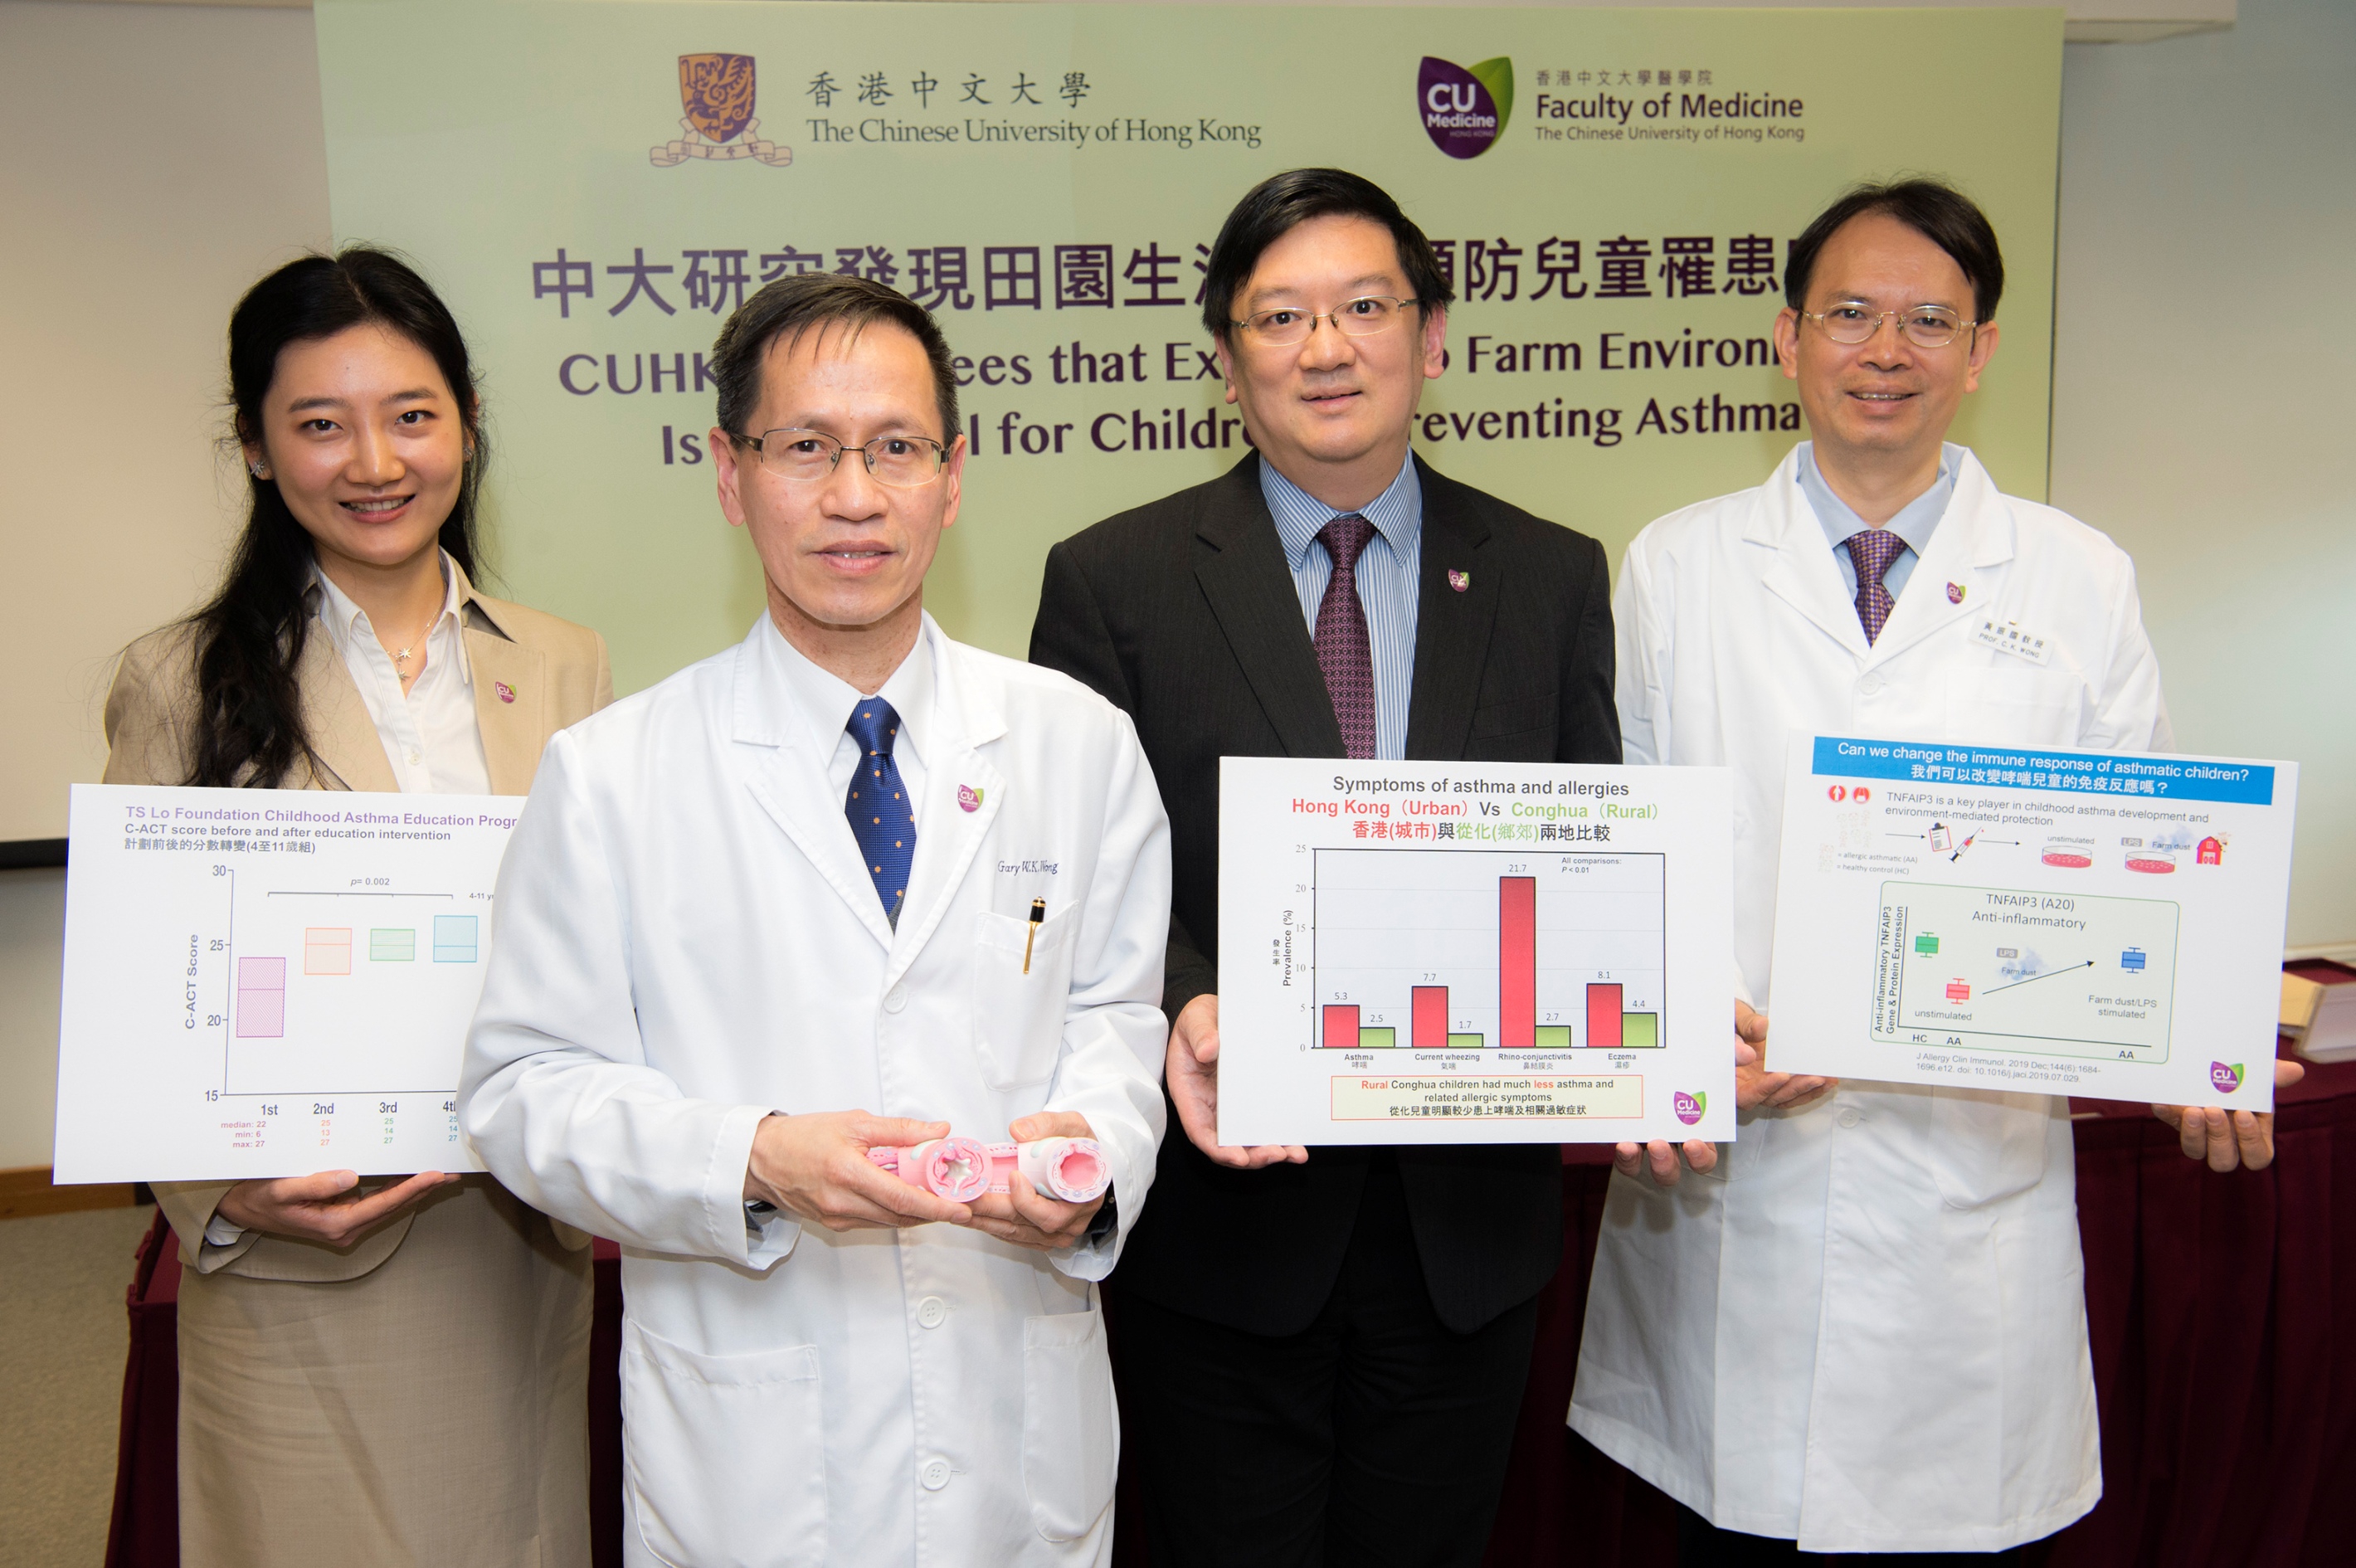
point(1867, 1330)
point(687, 939)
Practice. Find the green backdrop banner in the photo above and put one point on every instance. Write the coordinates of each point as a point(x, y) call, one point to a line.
point(595, 183)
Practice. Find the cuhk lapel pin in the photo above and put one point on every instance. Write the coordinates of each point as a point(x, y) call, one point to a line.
point(968, 798)
point(505, 691)
point(1460, 581)
point(1954, 593)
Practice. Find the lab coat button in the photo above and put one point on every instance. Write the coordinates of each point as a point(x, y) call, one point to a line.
point(932, 1311)
point(895, 999)
point(1848, 1117)
point(1869, 686)
point(935, 1475)
point(415, 756)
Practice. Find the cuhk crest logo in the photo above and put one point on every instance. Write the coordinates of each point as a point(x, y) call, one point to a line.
point(1464, 112)
point(2224, 1079)
point(1689, 1107)
point(717, 93)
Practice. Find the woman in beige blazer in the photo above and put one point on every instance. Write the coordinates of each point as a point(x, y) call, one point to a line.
point(393, 1371)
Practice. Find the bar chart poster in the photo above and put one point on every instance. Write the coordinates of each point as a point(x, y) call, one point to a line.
point(267, 983)
point(1424, 952)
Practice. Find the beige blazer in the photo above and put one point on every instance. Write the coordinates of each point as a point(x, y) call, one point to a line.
point(556, 673)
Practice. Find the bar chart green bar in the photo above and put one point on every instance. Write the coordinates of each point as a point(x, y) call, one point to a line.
point(394, 944)
point(1478, 950)
point(1640, 1031)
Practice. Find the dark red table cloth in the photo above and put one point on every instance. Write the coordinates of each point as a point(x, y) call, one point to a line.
point(2217, 1307)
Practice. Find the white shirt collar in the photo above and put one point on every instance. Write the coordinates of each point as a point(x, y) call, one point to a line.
point(347, 623)
point(822, 700)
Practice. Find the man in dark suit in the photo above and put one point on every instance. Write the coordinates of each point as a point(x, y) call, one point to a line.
point(1321, 1356)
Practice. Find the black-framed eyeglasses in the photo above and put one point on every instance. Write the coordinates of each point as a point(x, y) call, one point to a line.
point(904, 462)
point(1283, 327)
point(1926, 326)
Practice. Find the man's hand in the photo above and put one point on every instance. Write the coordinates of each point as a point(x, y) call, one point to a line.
point(328, 1207)
point(1022, 1215)
point(1754, 1086)
point(2226, 1140)
point(1661, 1156)
point(816, 1166)
point(1192, 1074)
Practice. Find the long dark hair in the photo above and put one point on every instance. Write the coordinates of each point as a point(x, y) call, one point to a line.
point(248, 639)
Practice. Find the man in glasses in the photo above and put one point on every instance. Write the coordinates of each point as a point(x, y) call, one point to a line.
point(1865, 1332)
point(1323, 1350)
point(848, 886)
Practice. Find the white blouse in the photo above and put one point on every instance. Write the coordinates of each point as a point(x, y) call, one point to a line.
point(430, 733)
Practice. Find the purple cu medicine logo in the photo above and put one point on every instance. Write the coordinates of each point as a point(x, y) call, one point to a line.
point(1464, 112)
point(1690, 1107)
point(2224, 1079)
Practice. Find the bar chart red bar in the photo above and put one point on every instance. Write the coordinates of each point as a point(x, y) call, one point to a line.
point(1430, 1015)
point(1341, 1027)
point(1603, 1015)
point(1517, 963)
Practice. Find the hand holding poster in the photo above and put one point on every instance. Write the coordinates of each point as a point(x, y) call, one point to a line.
point(1998, 916)
point(269, 983)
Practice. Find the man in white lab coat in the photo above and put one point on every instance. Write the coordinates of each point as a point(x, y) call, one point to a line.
point(1864, 1331)
point(849, 884)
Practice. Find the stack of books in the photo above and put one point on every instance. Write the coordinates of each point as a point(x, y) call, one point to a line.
point(2318, 1008)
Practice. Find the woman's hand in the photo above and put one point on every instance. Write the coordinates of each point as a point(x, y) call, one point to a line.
point(328, 1207)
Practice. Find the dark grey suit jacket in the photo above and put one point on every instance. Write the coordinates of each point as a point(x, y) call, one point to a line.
point(1183, 613)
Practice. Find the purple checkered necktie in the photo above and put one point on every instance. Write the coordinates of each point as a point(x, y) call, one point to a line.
point(1345, 654)
point(1872, 551)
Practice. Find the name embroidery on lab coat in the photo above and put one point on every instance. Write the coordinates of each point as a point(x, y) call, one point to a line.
point(2006, 636)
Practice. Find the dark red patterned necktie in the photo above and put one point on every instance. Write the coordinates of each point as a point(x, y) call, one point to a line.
point(1345, 654)
point(1872, 551)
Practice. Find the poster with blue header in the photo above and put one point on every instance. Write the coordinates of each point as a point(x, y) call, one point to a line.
point(2030, 919)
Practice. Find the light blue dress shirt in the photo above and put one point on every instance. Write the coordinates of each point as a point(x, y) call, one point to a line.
point(1915, 521)
point(1388, 570)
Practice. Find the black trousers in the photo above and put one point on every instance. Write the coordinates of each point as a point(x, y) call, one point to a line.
point(1375, 1436)
point(1702, 1544)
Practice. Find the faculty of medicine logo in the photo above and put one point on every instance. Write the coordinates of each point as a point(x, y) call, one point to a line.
point(1689, 1107)
point(2224, 1079)
point(1464, 112)
point(716, 90)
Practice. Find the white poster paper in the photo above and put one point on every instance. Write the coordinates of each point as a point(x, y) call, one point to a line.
point(1432, 952)
point(269, 983)
point(2107, 925)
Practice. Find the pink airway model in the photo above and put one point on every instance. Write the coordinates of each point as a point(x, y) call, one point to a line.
point(2144, 862)
point(1072, 1170)
point(2068, 857)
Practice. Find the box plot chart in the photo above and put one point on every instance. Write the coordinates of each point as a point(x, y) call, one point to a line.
point(1480, 949)
point(323, 978)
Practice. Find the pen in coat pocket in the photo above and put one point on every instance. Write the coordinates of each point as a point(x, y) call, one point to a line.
point(1038, 913)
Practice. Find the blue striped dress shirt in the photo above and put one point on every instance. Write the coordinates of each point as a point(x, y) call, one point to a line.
point(1388, 573)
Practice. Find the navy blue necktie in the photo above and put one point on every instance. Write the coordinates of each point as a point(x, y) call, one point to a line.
point(883, 818)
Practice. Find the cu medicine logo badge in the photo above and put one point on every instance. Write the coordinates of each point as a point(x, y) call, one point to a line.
point(716, 90)
point(1464, 112)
